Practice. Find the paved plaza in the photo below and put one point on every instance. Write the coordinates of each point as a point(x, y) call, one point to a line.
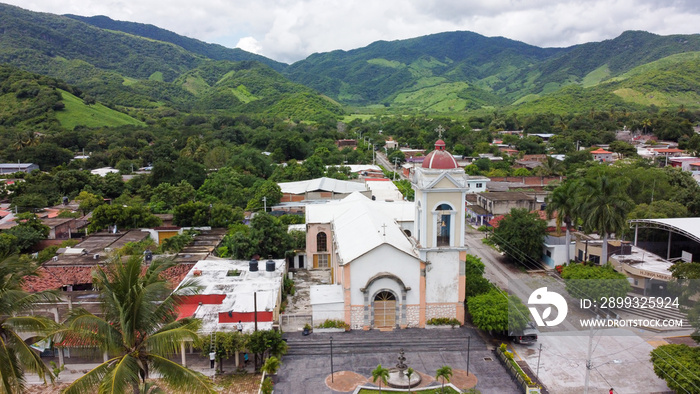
point(307, 366)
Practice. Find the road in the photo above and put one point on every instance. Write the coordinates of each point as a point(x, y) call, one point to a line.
point(384, 162)
point(620, 357)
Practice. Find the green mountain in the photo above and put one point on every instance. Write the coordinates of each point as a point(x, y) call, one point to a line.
point(148, 78)
point(454, 71)
point(382, 71)
point(150, 73)
point(211, 51)
point(38, 103)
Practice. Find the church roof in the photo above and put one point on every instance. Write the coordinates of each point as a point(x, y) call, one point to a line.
point(440, 158)
point(321, 184)
point(361, 225)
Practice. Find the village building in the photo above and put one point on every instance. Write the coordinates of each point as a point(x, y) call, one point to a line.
point(393, 264)
point(602, 155)
point(235, 291)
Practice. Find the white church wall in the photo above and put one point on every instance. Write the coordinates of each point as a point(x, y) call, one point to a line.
point(442, 277)
point(385, 259)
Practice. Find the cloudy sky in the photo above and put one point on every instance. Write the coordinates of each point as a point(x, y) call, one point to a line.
point(290, 30)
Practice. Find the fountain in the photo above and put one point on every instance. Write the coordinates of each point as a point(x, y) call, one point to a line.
point(397, 376)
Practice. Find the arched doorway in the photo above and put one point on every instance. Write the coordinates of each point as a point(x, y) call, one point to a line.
point(385, 310)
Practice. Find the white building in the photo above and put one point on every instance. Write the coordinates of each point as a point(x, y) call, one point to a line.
point(233, 291)
point(393, 264)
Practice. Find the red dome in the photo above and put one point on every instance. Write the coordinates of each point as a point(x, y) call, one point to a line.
point(439, 158)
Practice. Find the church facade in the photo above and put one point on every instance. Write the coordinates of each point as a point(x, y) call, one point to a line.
point(393, 264)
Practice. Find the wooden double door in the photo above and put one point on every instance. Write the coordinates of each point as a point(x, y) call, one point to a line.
point(385, 310)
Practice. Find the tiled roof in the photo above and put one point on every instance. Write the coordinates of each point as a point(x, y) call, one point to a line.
point(55, 277)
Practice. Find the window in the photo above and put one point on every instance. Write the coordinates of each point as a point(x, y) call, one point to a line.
point(321, 242)
point(321, 261)
point(443, 225)
point(549, 254)
point(479, 185)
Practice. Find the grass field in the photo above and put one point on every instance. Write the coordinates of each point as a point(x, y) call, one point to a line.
point(76, 113)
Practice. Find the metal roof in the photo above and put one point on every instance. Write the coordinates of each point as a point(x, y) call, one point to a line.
point(689, 227)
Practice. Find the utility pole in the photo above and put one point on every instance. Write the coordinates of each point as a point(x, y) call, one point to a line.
point(264, 200)
point(469, 342)
point(331, 359)
point(255, 308)
point(396, 159)
point(537, 374)
point(589, 364)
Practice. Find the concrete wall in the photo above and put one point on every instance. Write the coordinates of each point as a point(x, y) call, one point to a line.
point(323, 312)
point(442, 277)
point(385, 259)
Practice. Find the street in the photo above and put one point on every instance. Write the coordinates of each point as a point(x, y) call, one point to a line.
point(619, 357)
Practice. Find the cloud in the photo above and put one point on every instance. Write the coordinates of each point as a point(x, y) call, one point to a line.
point(290, 30)
point(249, 44)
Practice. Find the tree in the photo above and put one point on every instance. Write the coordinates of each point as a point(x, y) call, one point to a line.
point(687, 286)
point(16, 355)
point(122, 217)
point(679, 366)
point(474, 275)
point(604, 206)
point(659, 209)
point(266, 342)
point(271, 365)
point(593, 282)
point(28, 231)
point(88, 202)
point(520, 235)
point(192, 214)
point(267, 189)
point(444, 373)
point(223, 215)
point(380, 373)
point(562, 201)
point(623, 149)
point(137, 329)
point(498, 311)
point(409, 375)
point(8, 245)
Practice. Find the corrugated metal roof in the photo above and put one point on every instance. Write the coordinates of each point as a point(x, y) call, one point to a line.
point(321, 184)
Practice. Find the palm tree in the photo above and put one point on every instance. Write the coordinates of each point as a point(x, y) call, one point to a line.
point(380, 373)
point(562, 200)
point(138, 330)
point(409, 373)
point(444, 372)
point(271, 365)
point(16, 356)
point(604, 207)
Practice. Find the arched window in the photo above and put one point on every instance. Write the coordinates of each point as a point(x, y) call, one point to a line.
point(321, 242)
point(443, 224)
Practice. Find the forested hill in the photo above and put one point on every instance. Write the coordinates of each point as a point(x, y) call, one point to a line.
point(147, 78)
point(463, 70)
point(382, 69)
point(212, 51)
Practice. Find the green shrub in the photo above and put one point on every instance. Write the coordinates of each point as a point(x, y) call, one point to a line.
point(443, 321)
point(331, 323)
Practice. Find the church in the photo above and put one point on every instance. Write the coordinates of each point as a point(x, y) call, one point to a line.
point(393, 264)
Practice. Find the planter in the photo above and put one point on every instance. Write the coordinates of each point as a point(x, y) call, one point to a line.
point(329, 330)
point(440, 327)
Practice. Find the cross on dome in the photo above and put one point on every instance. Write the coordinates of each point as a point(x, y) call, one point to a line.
point(440, 130)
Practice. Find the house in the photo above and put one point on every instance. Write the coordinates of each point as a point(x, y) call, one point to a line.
point(320, 189)
point(391, 144)
point(501, 203)
point(9, 168)
point(393, 264)
point(233, 291)
point(602, 155)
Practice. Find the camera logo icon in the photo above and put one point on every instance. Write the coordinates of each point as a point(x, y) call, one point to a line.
point(543, 297)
